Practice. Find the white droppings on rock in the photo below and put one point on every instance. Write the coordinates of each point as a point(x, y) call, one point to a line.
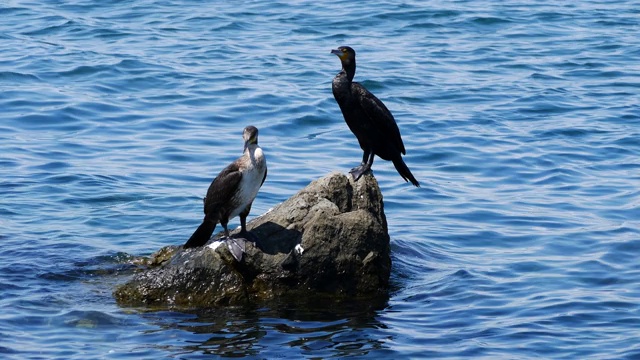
point(214, 245)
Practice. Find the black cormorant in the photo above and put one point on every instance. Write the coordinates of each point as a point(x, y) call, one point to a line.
point(369, 120)
point(232, 192)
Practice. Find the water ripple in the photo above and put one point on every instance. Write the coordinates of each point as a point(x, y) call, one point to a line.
point(519, 119)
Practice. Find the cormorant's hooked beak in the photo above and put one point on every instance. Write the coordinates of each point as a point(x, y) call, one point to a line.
point(252, 140)
point(337, 52)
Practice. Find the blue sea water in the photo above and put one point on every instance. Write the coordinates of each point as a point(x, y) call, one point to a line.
point(521, 120)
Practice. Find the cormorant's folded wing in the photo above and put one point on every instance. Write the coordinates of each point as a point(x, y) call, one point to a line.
point(223, 187)
point(379, 114)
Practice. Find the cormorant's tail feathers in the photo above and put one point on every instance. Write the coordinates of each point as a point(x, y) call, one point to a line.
point(404, 171)
point(201, 235)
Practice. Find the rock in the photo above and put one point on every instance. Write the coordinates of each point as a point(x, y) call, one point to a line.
point(329, 239)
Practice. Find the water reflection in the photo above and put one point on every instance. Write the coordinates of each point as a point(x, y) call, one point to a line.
point(312, 326)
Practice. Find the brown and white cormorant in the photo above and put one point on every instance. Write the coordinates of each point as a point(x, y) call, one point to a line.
point(369, 120)
point(232, 192)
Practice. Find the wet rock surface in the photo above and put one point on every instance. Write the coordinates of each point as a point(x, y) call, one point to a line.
point(329, 239)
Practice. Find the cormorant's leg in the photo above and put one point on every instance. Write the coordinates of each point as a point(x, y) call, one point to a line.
point(367, 161)
point(243, 218)
point(226, 230)
point(243, 225)
point(370, 161)
point(365, 157)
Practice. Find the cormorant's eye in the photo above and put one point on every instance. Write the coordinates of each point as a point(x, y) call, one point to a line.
point(344, 50)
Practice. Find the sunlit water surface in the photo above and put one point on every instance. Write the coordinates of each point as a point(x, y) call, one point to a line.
point(521, 119)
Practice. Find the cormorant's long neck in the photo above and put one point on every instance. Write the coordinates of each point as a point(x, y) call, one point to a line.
point(350, 69)
point(253, 154)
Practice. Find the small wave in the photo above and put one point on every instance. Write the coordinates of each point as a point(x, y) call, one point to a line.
point(87, 70)
point(89, 319)
point(52, 29)
point(53, 166)
point(15, 76)
point(489, 20)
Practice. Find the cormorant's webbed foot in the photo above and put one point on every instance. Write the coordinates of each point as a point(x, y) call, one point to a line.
point(237, 247)
point(357, 172)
